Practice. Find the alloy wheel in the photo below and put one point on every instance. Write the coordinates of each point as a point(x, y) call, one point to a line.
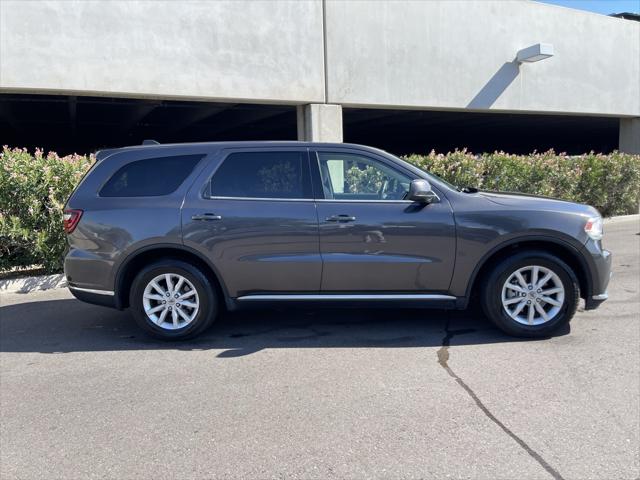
point(533, 295)
point(171, 301)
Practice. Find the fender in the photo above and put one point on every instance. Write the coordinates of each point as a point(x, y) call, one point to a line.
point(569, 247)
point(119, 278)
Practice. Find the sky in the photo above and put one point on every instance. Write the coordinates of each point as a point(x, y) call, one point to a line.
point(599, 6)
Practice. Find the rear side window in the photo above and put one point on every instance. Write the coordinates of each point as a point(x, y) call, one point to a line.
point(263, 175)
point(151, 177)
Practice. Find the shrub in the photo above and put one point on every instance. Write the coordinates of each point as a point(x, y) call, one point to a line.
point(611, 183)
point(34, 189)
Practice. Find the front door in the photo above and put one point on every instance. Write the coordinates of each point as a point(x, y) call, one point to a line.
point(252, 214)
point(371, 239)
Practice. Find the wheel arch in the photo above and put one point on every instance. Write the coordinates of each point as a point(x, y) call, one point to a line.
point(566, 252)
point(138, 259)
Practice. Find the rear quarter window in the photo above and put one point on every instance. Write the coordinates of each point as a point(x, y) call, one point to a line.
point(151, 177)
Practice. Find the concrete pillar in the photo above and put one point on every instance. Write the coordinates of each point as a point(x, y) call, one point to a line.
point(629, 140)
point(319, 122)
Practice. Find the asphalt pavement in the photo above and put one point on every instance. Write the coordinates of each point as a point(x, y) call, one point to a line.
point(322, 393)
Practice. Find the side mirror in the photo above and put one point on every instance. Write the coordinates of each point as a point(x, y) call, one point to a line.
point(420, 191)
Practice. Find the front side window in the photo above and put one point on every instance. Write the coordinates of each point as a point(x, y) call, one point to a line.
point(150, 177)
point(262, 175)
point(354, 177)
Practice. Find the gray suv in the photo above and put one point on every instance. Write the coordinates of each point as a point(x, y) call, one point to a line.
point(177, 233)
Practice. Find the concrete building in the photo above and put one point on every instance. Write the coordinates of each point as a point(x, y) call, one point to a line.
point(405, 75)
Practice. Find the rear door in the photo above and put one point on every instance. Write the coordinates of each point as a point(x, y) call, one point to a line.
point(252, 213)
point(371, 239)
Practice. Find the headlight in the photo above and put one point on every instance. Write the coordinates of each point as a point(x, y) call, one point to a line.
point(594, 227)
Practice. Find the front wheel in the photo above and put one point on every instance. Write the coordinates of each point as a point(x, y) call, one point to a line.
point(173, 300)
point(531, 294)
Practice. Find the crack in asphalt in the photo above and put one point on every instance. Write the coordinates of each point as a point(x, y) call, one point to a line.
point(443, 360)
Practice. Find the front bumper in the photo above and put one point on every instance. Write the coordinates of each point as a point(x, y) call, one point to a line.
point(594, 301)
point(600, 267)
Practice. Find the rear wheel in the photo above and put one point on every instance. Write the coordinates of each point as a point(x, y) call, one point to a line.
point(173, 300)
point(531, 294)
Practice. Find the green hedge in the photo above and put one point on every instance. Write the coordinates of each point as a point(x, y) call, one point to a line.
point(34, 188)
point(611, 183)
point(33, 191)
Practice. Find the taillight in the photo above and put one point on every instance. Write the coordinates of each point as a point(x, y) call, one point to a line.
point(70, 219)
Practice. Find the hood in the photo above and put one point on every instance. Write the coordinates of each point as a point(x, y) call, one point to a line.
point(538, 202)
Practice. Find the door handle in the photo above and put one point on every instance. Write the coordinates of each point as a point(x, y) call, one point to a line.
point(340, 218)
point(206, 217)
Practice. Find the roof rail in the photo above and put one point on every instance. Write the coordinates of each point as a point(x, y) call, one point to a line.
point(150, 142)
point(102, 154)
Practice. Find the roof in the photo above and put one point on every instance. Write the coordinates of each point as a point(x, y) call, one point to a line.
point(150, 144)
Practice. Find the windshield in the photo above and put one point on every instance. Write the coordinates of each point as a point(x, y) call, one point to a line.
point(438, 179)
point(432, 177)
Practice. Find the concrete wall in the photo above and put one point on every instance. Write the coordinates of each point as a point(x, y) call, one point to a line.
point(319, 123)
point(416, 54)
point(254, 51)
point(457, 54)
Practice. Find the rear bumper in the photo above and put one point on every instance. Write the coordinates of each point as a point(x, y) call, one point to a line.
point(96, 297)
point(86, 274)
point(88, 270)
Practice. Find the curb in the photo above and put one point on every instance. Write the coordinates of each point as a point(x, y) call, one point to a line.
point(46, 282)
point(32, 284)
point(623, 218)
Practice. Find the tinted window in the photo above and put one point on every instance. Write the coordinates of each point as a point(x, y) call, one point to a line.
point(150, 177)
point(353, 177)
point(262, 175)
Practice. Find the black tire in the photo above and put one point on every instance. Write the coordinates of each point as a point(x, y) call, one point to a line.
point(491, 294)
point(207, 299)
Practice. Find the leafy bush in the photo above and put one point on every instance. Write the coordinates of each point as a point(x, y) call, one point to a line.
point(34, 188)
point(366, 180)
point(33, 191)
point(611, 183)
